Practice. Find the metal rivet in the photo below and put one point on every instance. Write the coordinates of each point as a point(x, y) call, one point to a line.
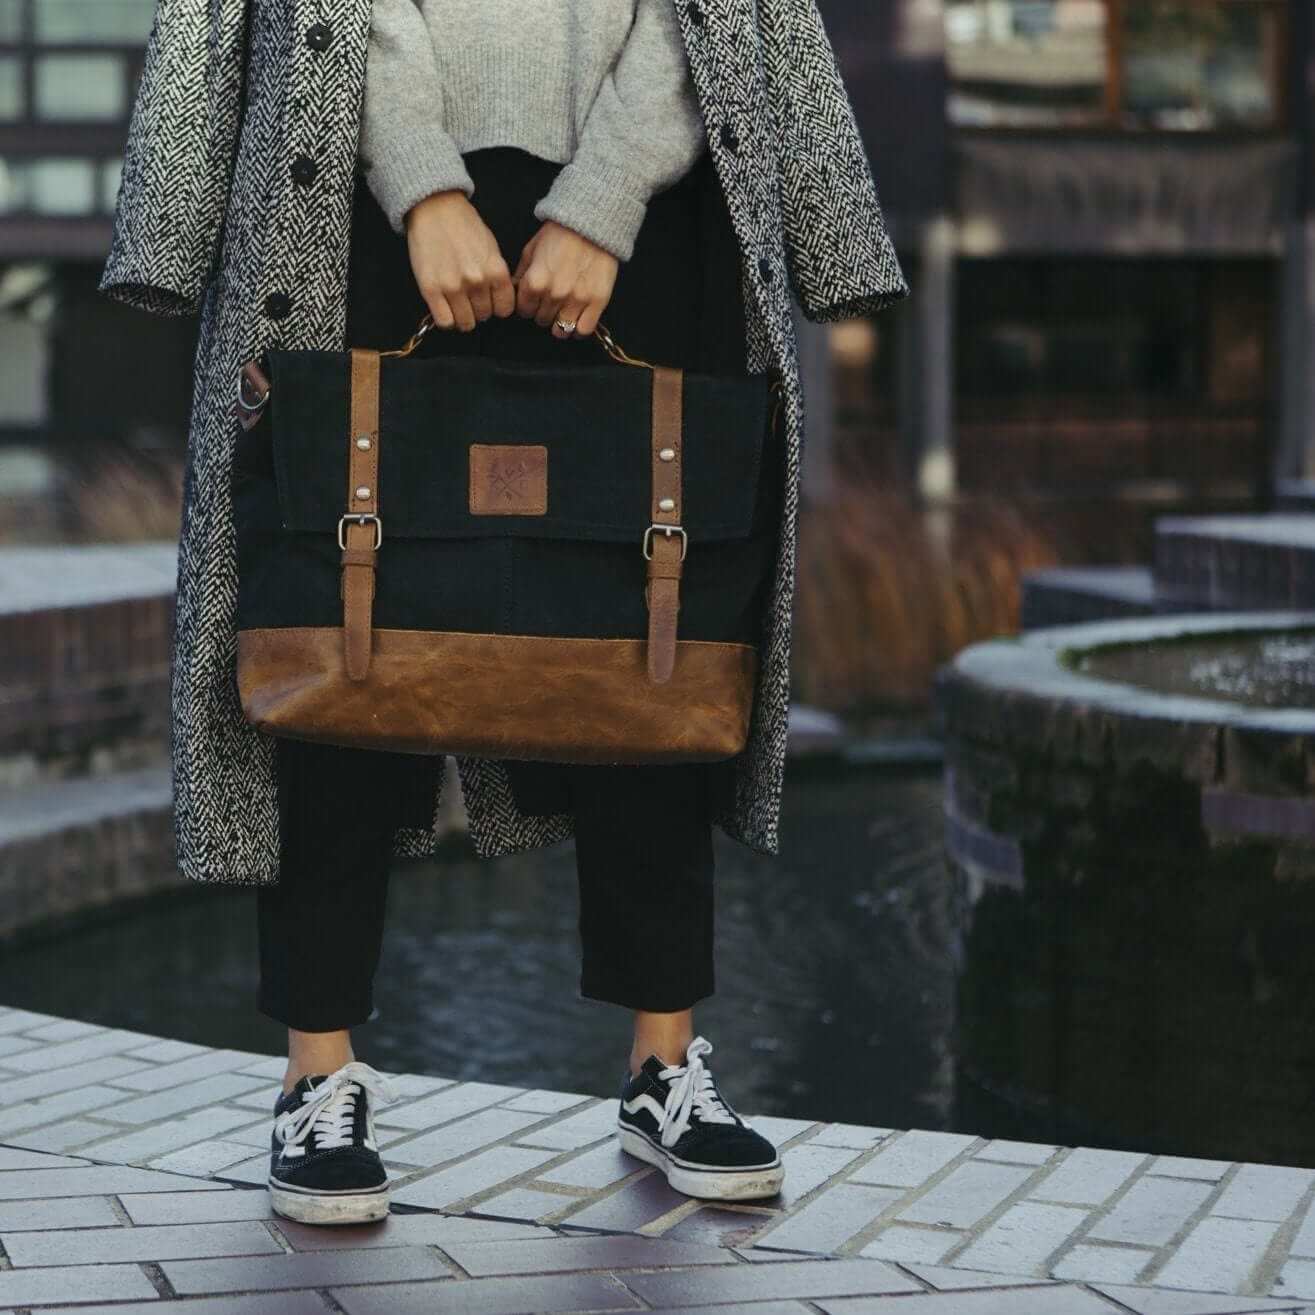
point(363, 443)
point(667, 454)
point(666, 504)
point(363, 491)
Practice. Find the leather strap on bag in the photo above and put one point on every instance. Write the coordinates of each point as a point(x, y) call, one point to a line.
point(360, 531)
point(665, 540)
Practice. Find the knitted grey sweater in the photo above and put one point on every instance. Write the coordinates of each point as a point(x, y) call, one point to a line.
point(600, 86)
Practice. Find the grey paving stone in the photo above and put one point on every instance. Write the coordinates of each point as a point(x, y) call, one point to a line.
point(1218, 1255)
point(57, 1137)
point(1087, 1176)
point(1023, 1239)
point(167, 1052)
point(1016, 1152)
point(1264, 1191)
point(757, 1308)
point(406, 1230)
point(1297, 1279)
point(830, 1219)
point(51, 1109)
point(64, 1029)
point(182, 1098)
point(443, 1106)
point(158, 1077)
point(61, 1212)
point(112, 1041)
point(94, 1246)
point(1304, 1242)
point(15, 1158)
point(470, 1177)
point(854, 1135)
point(1147, 1301)
point(281, 1303)
point(204, 1158)
point(21, 1020)
point(721, 1226)
point(197, 1207)
point(254, 1171)
point(998, 1301)
point(11, 1044)
point(576, 1130)
point(945, 1279)
point(557, 1254)
point(807, 1166)
point(812, 1279)
point(600, 1166)
point(910, 1160)
point(548, 1102)
point(525, 1203)
point(70, 1283)
point(1181, 1166)
point(462, 1136)
point(158, 1139)
point(637, 1203)
point(1106, 1264)
point(967, 1194)
point(113, 1068)
point(94, 1180)
point(901, 1242)
point(779, 1130)
point(1152, 1211)
point(490, 1296)
point(305, 1269)
point(271, 1070)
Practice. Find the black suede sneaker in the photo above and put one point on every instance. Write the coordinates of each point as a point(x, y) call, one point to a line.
point(673, 1116)
point(324, 1165)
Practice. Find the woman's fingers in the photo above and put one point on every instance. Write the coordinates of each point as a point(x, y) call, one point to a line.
point(590, 313)
point(570, 312)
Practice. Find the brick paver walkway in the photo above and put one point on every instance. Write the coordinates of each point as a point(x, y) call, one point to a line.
point(132, 1171)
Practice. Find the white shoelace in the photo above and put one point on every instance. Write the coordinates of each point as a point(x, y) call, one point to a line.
point(692, 1092)
point(330, 1108)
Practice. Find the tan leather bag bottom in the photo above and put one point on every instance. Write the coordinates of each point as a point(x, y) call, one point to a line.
point(499, 696)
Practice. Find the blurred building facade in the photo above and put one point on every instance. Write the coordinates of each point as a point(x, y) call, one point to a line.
point(1105, 208)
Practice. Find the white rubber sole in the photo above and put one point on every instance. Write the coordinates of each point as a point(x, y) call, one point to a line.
point(346, 1208)
point(712, 1184)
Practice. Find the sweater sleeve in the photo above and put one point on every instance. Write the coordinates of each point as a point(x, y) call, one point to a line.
point(405, 151)
point(642, 134)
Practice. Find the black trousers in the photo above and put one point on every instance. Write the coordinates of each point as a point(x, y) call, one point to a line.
point(643, 833)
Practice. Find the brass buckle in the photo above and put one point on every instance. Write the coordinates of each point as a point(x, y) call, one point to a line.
point(360, 517)
point(668, 530)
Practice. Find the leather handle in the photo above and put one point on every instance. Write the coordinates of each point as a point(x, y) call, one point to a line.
point(665, 550)
point(361, 537)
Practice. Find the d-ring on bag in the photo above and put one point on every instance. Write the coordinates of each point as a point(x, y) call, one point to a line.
point(466, 554)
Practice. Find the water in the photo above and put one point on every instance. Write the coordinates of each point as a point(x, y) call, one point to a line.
point(1264, 671)
point(834, 994)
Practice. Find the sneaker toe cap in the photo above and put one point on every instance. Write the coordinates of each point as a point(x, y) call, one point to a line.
point(340, 1171)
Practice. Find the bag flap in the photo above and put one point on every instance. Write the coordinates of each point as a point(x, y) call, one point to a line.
point(594, 421)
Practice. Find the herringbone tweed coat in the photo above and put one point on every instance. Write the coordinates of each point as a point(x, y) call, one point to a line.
point(213, 218)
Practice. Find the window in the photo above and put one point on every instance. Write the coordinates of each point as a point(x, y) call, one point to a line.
point(79, 87)
point(93, 22)
point(1168, 65)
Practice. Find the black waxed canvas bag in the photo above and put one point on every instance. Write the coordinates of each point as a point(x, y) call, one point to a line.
point(475, 555)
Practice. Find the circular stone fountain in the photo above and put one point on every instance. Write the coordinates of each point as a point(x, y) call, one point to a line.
point(1130, 813)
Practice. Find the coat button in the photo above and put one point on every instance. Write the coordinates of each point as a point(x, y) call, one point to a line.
point(318, 36)
point(278, 305)
point(304, 170)
point(765, 269)
point(695, 13)
point(728, 138)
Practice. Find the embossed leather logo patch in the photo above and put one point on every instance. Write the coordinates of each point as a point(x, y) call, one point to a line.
point(508, 479)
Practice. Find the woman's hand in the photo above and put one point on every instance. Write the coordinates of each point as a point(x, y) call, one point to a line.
point(456, 262)
point(563, 275)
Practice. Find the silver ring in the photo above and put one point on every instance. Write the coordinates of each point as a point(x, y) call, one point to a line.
point(566, 326)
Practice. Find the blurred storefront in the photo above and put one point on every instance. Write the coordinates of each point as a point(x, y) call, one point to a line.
point(89, 391)
point(1114, 288)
